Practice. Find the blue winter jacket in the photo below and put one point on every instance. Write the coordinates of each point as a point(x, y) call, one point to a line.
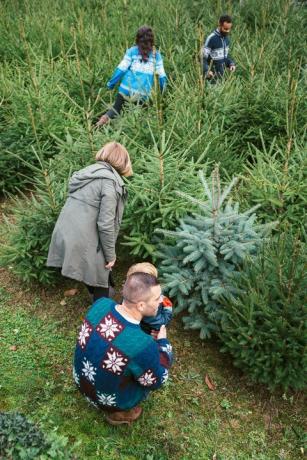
point(136, 75)
point(163, 316)
point(215, 53)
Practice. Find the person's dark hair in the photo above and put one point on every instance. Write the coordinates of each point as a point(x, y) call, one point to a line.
point(225, 18)
point(137, 286)
point(145, 40)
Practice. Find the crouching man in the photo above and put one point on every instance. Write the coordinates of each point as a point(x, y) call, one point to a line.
point(116, 364)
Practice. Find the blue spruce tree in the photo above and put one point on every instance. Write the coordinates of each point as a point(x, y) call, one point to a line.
point(199, 258)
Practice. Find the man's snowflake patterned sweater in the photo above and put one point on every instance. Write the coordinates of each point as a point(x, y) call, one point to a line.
point(116, 364)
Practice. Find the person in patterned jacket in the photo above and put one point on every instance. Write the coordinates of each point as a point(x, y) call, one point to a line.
point(215, 51)
point(116, 363)
point(152, 324)
point(136, 73)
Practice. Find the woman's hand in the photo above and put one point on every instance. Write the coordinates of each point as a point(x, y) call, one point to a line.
point(110, 264)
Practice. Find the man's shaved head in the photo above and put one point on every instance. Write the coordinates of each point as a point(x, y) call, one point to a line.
point(137, 287)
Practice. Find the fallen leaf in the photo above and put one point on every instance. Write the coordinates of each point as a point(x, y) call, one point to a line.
point(63, 302)
point(71, 292)
point(13, 348)
point(210, 384)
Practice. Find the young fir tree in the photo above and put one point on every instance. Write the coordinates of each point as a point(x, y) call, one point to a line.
point(159, 170)
point(264, 327)
point(208, 247)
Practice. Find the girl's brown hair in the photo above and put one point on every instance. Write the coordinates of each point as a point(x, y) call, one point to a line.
point(145, 41)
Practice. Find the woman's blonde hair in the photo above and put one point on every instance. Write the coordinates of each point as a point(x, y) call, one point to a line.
point(143, 267)
point(117, 156)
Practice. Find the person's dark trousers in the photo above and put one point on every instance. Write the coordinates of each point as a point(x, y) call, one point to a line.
point(117, 107)
point(214, 80)
point(120, 101)
point(98, 292)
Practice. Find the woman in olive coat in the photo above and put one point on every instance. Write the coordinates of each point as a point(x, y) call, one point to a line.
point(84, 237)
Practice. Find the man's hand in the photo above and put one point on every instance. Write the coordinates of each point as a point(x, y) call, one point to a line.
point(210, 74)
point(110, 264)
point(162, 333)
point(232, 68)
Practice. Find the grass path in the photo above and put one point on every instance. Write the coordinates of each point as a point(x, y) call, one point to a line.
point(237, 421)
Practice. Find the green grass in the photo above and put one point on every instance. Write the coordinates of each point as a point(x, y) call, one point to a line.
point(185, 420)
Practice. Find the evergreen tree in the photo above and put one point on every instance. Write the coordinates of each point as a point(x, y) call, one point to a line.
point(160, 171)
point(276, 179)
point(208, 248)
point(264, 326)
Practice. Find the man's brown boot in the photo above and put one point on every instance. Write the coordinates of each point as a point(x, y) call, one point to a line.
point(124, 416)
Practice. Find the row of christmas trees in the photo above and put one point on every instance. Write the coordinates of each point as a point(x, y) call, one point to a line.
point(236, 278)
point(234, 281)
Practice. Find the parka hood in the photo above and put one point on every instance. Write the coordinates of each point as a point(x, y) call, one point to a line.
point(98, 170)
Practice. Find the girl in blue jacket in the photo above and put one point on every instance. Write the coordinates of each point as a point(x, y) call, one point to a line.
point(136, 74)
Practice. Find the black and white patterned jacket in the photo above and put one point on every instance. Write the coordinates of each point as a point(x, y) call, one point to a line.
point(215, 53)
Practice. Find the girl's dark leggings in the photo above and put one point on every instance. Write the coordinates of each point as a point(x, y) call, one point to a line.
point(120, 101)
point(117, 107)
